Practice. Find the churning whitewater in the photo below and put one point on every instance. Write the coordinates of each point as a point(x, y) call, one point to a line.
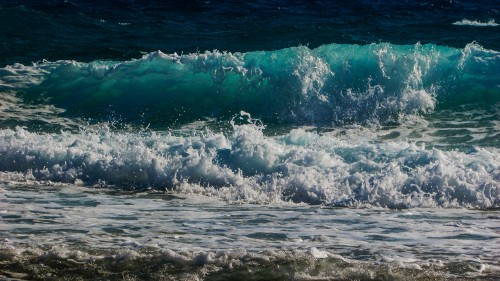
point(356, 88)
point(248, 166)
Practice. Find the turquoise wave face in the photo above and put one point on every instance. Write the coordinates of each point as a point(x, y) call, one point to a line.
point(329, 85)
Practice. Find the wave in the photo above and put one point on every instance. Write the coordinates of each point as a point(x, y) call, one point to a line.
point(234, 264)
point(248, 166)
point(332, 84)
point(476, 23)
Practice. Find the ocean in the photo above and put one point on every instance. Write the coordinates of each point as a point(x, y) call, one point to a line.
point(250, 140)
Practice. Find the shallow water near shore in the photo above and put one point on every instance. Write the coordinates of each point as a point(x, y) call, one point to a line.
point(249, 140)
point(77, 232)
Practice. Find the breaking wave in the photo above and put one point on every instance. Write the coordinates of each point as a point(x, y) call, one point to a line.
point(247, 166)
point(330, 85)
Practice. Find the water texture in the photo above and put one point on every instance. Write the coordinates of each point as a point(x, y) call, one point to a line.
point(249, 140)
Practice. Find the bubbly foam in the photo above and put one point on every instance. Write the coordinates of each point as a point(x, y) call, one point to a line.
point(150, 233)
point(476, 23)
point(248, 166)
point(312, 264)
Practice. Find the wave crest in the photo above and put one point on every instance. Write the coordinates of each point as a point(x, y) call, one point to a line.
point(333, 84)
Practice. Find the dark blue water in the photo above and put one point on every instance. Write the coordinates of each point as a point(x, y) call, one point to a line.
point(120, 30)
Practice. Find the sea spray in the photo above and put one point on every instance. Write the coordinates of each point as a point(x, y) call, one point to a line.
point(299, 166)
point(330, 85)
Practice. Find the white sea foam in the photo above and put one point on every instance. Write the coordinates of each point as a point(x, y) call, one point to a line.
point(79, 227)
point(476, 23)
point(249, 166)
point(235, 264)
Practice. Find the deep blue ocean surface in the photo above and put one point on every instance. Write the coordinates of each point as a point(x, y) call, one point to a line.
point(121, 30)
point(249, 140)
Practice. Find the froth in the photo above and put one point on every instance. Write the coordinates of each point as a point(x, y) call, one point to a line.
point(249, 166)
point(303, 264)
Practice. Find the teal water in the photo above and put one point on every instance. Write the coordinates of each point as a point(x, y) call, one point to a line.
point(331, 85)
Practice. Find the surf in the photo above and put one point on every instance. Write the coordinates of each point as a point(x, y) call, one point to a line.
point(333, 84)
point(248, 166)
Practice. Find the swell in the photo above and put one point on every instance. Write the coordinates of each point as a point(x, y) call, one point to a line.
point(332, 84)
point(90, 30)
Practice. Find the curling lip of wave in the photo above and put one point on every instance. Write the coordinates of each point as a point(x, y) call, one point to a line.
point(331, 84)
